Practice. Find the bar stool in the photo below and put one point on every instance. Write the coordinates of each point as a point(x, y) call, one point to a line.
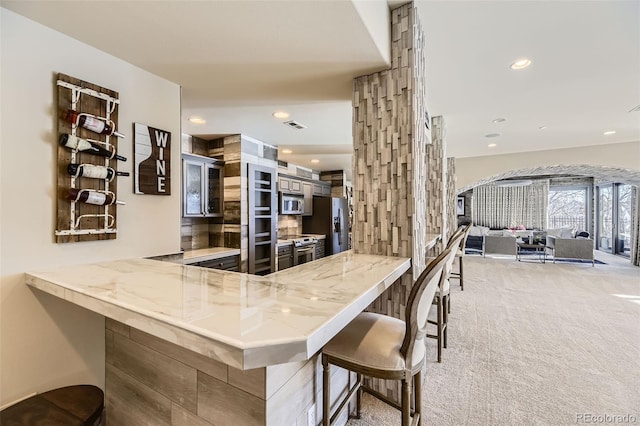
point(384, 347)
point(459, 275)
point(79, 405)
point(442, 298)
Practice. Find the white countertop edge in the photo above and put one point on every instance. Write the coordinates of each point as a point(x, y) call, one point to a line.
point(48, 286)
point(217, 346)
point(208, 254)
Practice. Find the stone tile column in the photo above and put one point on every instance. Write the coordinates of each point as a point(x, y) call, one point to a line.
point(391, 136)
point(452, 198)
point(436, 183)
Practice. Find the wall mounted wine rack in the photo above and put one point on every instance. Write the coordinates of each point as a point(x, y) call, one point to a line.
point(78, 221)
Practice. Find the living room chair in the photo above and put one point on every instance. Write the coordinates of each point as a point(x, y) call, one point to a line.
point(459, 275)
point(442, 298)
point(384, 347)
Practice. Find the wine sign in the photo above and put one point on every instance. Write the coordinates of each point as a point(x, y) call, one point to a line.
point(152, 153)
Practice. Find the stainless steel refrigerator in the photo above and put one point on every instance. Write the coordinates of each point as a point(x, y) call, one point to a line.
point(330, 217)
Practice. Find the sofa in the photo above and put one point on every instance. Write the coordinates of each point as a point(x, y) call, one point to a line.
point(570, 248)
point(498, 244)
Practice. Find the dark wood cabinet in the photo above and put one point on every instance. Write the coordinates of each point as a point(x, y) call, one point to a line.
point(320, 248)
point(229, 263)
point(263, 219)
point(285, 257)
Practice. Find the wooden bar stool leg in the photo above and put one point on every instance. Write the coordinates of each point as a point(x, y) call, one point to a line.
point(461, 274)
point(406, 405)
point(359, 397)
point(417, 392)
point(445, 320)
point(326, 397)
point(439, 325)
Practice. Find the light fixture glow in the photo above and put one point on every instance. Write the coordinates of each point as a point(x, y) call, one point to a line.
point(492, 145)
point(521, 64)
point(314, 161)
point(197, 120)
point(499, 120)
point(609, 132)
point(281, 114)
point(287, 151)
point(542, 127)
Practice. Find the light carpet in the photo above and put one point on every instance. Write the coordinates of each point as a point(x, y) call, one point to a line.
point(533, 344)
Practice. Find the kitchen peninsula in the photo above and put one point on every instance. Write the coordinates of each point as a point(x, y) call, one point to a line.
point(188, 344)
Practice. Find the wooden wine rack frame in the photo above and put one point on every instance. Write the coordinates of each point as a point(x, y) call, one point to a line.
point(77, 221)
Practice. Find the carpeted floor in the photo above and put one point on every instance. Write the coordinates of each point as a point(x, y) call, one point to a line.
point(533, 344)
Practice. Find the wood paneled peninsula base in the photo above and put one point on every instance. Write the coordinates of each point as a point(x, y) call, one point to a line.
point(196, 346)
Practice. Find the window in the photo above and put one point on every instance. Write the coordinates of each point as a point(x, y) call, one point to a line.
point(614, 218)
point(567, 207)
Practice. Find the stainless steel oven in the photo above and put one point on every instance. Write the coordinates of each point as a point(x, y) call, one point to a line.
point(304, 250)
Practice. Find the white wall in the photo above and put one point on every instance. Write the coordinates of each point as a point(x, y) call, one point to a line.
point(471, 169)
point(46, 342)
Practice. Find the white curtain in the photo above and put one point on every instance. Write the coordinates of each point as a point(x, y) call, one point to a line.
point(502, 207)
point(635, 227)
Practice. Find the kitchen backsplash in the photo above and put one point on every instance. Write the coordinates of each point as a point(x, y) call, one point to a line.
point(289, 225)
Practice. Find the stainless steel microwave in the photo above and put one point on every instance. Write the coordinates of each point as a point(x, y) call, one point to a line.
point(291, 203)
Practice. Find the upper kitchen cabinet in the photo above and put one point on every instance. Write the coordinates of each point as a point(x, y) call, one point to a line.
point(289, 185)
point(202, 186)
point(322, 189)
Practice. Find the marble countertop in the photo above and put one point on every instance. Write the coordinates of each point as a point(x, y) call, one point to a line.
point(210, 253)
point(245, 321)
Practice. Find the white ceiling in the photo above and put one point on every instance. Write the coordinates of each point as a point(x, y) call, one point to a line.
point(239, 61)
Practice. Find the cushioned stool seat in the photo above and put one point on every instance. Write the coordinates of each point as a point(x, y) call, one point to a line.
point(79, 405)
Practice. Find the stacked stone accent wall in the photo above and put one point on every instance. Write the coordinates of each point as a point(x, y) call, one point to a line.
point(389, 157)
point(390, 164)
point(452, 199)
point(435, 206)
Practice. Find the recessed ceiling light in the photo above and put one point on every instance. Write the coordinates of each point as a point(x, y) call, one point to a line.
point(287, 151)
point(492, 135)
point(492, 145)
point(499, 120)
point(520, 64)
point(197, 120)
point(609, 132)
point(314, 161)
point(542, 127)
point(281, 114)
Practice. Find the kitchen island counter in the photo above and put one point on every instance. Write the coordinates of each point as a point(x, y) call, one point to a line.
point(209, 253)
point(244, 321)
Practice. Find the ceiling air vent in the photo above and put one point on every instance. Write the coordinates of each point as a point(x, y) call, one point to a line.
point(635, 109)
point(295, 125)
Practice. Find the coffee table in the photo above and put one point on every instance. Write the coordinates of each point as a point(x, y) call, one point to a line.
point(539, 248)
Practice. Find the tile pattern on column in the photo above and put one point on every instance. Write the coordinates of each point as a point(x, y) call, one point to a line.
point(435, 181)
point(452, 215)
point(390, 164)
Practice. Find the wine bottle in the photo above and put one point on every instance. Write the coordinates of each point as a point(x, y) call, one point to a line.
point(91, 122)
point(93, 171)
point(79, 144)
point(90, 196)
